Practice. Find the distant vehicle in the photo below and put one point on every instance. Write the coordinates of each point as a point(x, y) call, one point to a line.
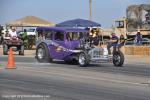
point(145, 41)
point(71, 45)
point(29, 32)
point(30, 40)
point(15, 43)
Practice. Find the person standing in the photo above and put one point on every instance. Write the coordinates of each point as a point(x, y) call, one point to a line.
point(121, 41)
point(24, 35)
point(138, 38)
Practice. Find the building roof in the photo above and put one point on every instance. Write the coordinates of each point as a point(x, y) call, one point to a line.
point(30, 21)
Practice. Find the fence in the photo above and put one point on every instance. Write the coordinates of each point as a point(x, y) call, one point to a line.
point(133, 43)
point(136, 50)
point(131, 48)
point(144, 43)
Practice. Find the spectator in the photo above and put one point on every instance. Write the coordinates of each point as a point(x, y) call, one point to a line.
point(121, 41)
point(112, 42)
point(138, 38)
point(24, 35)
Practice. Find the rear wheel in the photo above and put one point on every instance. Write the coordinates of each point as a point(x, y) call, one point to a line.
point(5, 49)
point(42, 53)
point(118, 58)
point(83, 59)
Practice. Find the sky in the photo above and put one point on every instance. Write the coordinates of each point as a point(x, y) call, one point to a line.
point(56, 11)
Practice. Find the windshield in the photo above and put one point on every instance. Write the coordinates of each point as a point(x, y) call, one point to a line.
point(30, 30)
point(74, 35)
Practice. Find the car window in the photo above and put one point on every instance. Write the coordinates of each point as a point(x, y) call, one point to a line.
point(69, 36)
point(74, 35)
point(59, 36)
point(40, 35)
point(81, 35)
point(30, 30)
point(49, 34)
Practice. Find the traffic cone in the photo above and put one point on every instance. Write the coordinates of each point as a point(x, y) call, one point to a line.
point(10, 63)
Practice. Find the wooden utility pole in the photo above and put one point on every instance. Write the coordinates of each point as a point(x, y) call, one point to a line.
point(90, 6)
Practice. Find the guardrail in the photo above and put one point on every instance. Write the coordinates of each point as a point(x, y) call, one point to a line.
point(133, 43)
point(128, 43)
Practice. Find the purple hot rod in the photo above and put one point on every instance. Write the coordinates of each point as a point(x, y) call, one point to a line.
point(70, 45)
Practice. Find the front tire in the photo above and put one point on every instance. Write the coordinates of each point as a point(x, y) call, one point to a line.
point(118, 59)
point(83, 59)
point(42, 53)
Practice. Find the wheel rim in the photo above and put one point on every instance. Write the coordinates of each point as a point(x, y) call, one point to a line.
point(40, 53)
point(116, 59)
point(82, 59)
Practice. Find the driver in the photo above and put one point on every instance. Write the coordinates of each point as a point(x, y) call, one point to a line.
point(69, 37)
point(112, 42)
point(13, 32)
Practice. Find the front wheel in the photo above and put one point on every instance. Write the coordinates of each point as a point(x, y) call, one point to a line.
point(83, 59)
point(118, 58)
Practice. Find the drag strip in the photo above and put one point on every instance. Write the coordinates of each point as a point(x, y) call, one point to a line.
point(128, 68)
point(70, 84)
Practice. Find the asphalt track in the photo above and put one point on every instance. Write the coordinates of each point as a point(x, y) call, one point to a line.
point(59, 81)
